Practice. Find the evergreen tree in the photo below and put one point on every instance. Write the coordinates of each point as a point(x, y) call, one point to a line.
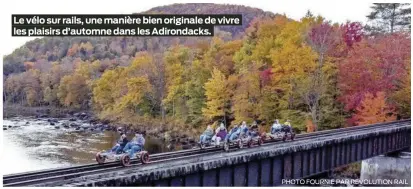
point(389, 18)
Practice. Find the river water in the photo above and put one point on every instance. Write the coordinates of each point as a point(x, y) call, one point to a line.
point(38, 145)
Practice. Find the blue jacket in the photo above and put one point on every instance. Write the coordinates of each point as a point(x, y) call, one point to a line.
point(235, 130)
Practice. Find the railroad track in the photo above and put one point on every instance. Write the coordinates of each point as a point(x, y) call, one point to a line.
point(60, 174)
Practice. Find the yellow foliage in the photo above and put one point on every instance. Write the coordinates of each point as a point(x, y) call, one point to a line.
point(217, 95)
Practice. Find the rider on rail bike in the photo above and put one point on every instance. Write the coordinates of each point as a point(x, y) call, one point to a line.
point(233, 134)
point(135, 145)
point(244, 129)
point(206, 135)
point(220, 133)
point(121, 143)
point(254, 129)
point(276, 127)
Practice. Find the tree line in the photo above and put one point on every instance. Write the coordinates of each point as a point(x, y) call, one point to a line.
point(318, 74)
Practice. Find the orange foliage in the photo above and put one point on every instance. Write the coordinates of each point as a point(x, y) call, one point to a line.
point(28, 65)
point(373, 109)
point(310, 126)
point(72, 51)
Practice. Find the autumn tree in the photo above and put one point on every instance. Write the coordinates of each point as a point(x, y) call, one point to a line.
point(373, 109)
point(402, 97)
point(373, 65)
point(246, 96)
point(217, 96)
point(195, 91)
point(176, 59)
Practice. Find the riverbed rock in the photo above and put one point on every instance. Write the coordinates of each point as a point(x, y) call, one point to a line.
point(72, 119)
point(73, 124)
point(56, 127)
point(9, 126)
point(93, 121)
point(27, 123)
point(77, 128)
point(4, 128)
point(52, 123)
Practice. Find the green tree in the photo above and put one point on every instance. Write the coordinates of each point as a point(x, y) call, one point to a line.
point(389, 18)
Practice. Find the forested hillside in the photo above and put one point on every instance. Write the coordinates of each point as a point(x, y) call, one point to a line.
point(317, 74)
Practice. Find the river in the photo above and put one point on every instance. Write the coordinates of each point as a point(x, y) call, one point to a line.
point(38, 145)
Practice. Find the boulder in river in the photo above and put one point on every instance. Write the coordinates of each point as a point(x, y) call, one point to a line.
point(72, 119)
point(27, 123)
point(4, 128)
point(56, 127)
point(9, 126)
point(65, 126)
point(73, 124)
point(77, 128)
point(52, 123)
point(43, 116)
point(76, 114)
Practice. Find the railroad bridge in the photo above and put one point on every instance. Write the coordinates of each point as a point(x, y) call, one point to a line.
point(310, 154)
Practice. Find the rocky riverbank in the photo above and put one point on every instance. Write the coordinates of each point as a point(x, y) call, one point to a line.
point(87, 122)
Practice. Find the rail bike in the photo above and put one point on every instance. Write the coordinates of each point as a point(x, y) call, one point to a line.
point(238, 141)
point(209, 142)
point(123, 157)
point(255, 138)
point(284, 132)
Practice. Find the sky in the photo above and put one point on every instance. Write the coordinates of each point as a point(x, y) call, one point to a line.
point(336, 11)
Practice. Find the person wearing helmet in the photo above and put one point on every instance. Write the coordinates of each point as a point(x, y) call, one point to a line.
point(135, 145)
point(207, 134)
point(221, 133)
point(121, 143)
point(276, 127)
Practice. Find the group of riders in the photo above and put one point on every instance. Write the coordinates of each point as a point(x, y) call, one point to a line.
point(123, 145)
point(239, 131)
